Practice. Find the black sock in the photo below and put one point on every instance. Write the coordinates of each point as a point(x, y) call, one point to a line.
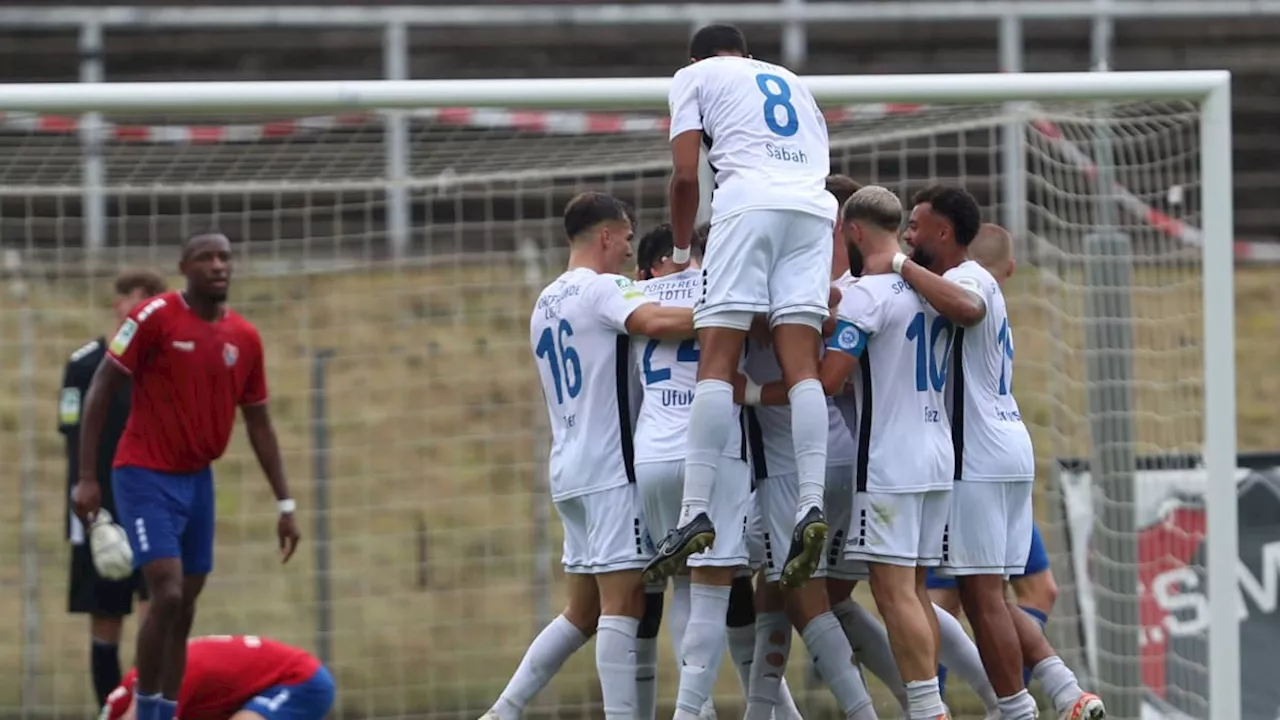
point(105, 664)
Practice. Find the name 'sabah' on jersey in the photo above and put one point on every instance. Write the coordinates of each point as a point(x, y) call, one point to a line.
point(791, 155)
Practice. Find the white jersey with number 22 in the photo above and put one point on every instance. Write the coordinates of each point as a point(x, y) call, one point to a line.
point(993, 443)
point(669, 373)
point(766, 137)
point(578, 333)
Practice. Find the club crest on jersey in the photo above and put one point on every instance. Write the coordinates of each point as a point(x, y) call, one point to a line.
point(230, 353)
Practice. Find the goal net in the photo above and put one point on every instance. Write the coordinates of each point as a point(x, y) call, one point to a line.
point(393, 292)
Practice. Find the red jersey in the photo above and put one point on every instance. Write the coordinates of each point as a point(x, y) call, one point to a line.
point(224, 672)
point(189, 376)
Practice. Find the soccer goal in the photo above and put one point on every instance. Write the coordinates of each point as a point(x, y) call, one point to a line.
point(390, 238)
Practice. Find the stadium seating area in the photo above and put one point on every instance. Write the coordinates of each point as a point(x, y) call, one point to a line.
point(1247, 47)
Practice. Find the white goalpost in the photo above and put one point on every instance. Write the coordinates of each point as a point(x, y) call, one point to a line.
point(393, 297)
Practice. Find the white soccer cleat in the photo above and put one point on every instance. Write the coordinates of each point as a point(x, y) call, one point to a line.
point(708, 711)
point(109, 545)
point(1088, 707)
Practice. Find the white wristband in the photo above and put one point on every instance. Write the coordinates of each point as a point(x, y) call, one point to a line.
point(680, 256)
point(286, 506)
point(898, 261)
point(751, 394)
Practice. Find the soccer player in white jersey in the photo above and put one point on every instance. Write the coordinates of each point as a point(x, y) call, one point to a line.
point(578, 334)
point(990, 530)
point(903, 471)
point(668, 372)
point(769, 252)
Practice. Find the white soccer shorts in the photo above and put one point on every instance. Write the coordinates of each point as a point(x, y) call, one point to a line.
point(990, 528)
point(838, 506)
point(766, 261)
point(777, 498)
point(604, 532)
point(755, 535)
point(906, 529)
point(661, 486)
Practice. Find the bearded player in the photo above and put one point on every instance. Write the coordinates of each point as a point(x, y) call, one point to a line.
point(769, 252)
point(578, 332)
point(193, 361)
point(992, 445)
point(244, 677)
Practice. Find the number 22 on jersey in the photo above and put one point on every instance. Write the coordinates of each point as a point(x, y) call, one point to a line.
point(562, 360)
point(686, 352)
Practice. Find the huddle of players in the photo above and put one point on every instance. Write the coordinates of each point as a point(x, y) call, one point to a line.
point(942, 417)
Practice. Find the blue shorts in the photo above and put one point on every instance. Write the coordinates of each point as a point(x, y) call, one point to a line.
point(310, 699)
point(1037, 562)
point(167, 515)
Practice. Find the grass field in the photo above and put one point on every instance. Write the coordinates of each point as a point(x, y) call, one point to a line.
point(434, 418)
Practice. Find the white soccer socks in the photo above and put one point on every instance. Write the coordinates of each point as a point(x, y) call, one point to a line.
point(557, 641)
point(1020, 706)
point(1058, 682)
point(616, 665)
point(832, 656)
point(809, 428)
point(870, 643)
point(703, 647)
point(958, 653)
point(773, 646)
point(924, 701)
point(710, 425)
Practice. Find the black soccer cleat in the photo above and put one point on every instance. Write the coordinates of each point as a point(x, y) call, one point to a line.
point(808, 541)
point(693, 537)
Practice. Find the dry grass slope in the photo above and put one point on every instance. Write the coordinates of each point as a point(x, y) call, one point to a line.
point(434, 419)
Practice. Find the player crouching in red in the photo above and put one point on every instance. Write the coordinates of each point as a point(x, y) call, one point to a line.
point(240, 677)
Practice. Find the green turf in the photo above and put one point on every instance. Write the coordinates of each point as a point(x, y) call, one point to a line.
point(434, 416)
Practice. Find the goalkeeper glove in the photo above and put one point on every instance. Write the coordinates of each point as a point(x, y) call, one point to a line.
point(112, 556)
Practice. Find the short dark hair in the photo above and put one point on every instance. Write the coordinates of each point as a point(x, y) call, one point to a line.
point(148, 281)
point(957, 206)
point(660, 242)
point(712, 40)
point(842, 187)
point(589, 209)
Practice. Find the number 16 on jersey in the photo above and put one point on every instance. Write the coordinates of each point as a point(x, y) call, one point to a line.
point(562, 360)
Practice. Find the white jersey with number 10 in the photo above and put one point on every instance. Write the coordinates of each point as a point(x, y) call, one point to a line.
point(766, 137)
point(578, 334)
point(669, 373)
point(991, 441)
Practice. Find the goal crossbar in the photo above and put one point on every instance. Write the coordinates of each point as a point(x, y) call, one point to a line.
point(606, 93)
point(1210, 89)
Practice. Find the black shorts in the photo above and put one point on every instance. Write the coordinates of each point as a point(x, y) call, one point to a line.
point(90, 594)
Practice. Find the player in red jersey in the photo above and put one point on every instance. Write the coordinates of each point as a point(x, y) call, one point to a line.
point(192, 361)
point(244, 677)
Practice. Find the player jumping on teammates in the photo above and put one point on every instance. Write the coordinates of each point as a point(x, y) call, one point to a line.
point(903, 471)
point(243, 677)
point(667, 370)
point(106, 601)
point(578, 333)
point(769, 252)
point(989, 530)
point(192, 361)
point(990, 443)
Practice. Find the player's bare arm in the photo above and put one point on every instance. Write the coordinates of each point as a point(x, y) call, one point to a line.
point(833, 372)
point(262, 436)
point(87, 495)
point(684, 192)
point(661, 323)
point(957, 303)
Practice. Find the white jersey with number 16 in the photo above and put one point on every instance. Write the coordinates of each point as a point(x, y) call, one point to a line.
point(991, 441)
point(766, 137)
point(578, 334)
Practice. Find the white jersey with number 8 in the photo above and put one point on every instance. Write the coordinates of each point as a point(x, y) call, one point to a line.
point(579, 339)
point(766, 137)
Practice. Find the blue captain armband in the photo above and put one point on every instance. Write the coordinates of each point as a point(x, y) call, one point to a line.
point(847, 339)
